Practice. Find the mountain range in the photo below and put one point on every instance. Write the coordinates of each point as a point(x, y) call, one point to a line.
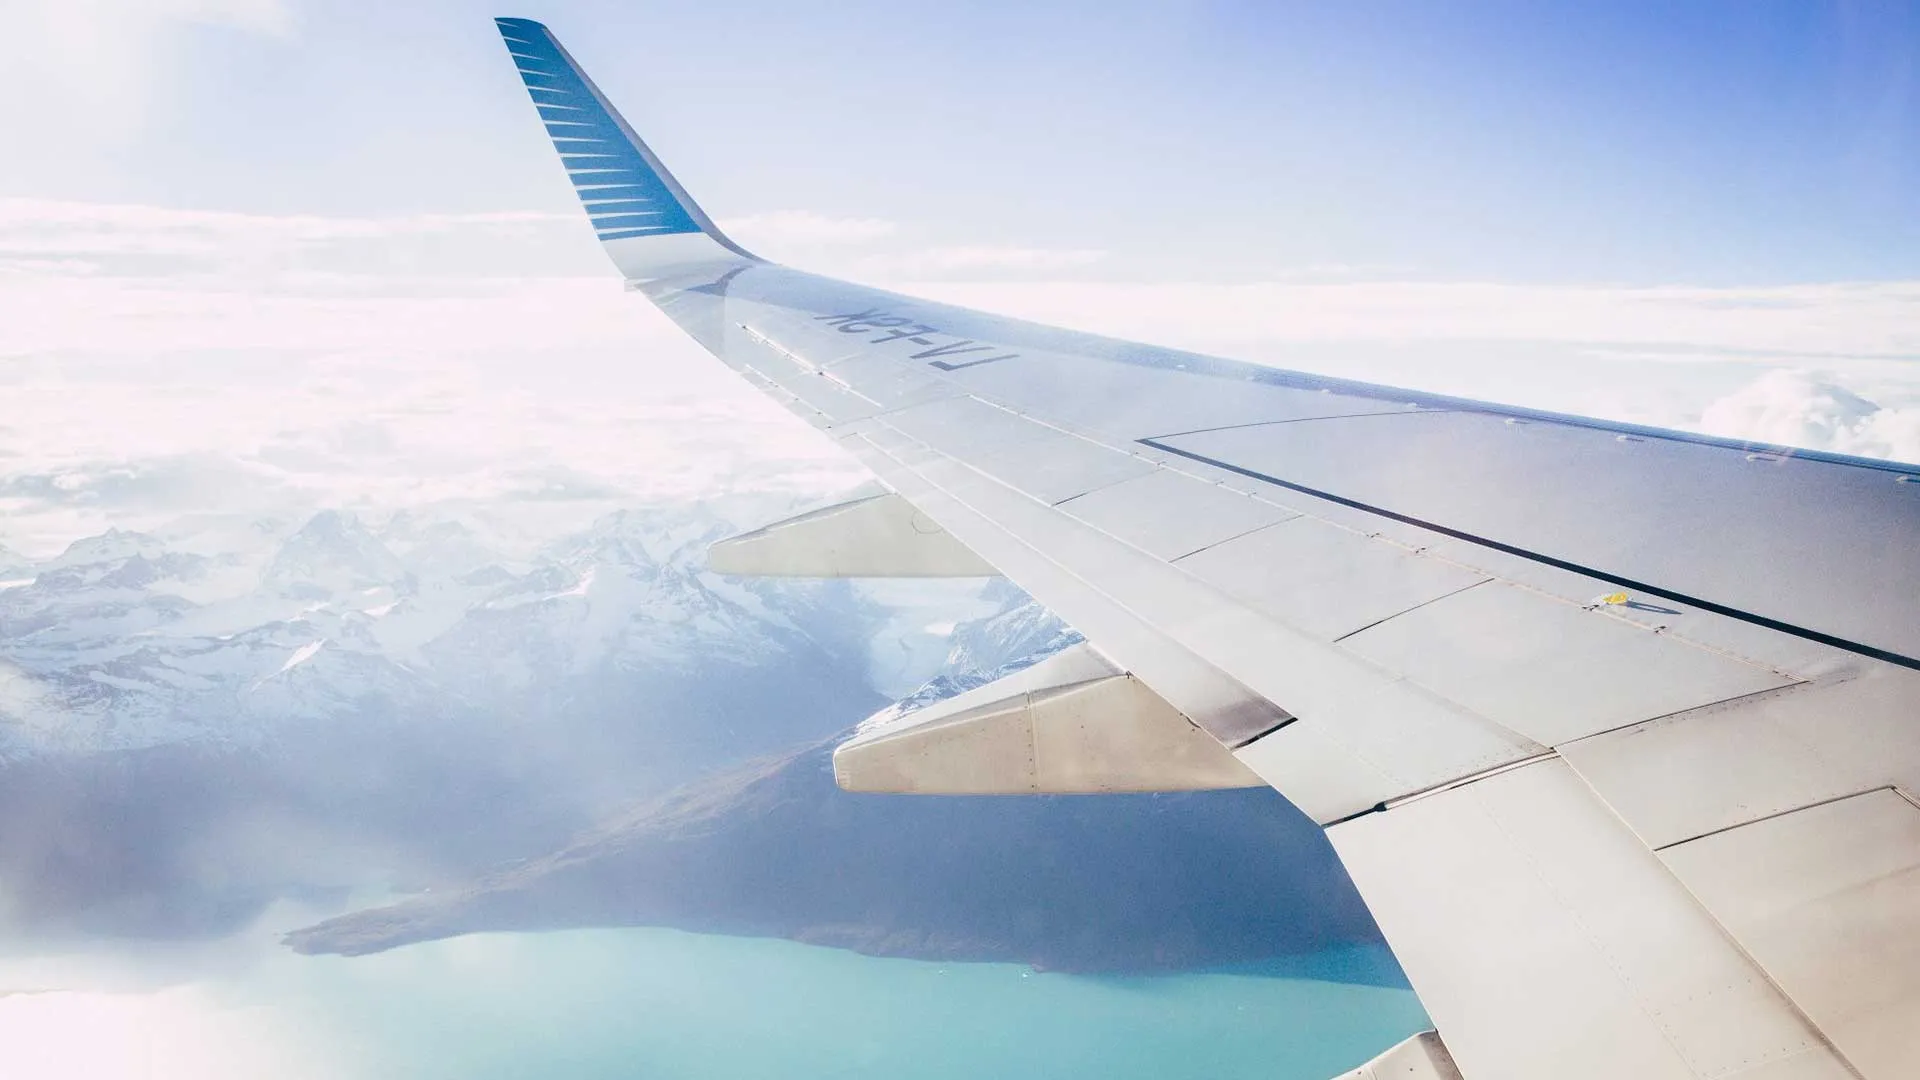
point(593, 732)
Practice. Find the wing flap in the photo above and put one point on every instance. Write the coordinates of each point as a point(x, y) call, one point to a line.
point(1072, 724)
point(1422, 1057)
point(1546, 940)
point(1827, 900)
point(1682, 777)
point(872, 536)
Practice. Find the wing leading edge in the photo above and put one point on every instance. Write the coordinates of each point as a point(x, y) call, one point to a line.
point(1613, 727)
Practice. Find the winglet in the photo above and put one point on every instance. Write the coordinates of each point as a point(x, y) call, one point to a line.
point(644, 218)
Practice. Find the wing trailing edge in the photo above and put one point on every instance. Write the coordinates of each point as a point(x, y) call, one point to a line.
point(1422, 1057)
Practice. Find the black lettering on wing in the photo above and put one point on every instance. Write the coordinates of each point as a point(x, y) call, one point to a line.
point(944, 366)
point(954, 349)
point(903, 329)
point(861, 326)
point(841, 320)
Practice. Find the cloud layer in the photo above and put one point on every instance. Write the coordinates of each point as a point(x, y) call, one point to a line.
point(155, 358)
point(158, 361)
point(1800, 408)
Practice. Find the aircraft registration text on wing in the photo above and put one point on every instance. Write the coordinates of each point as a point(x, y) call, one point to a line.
point(1616, 729)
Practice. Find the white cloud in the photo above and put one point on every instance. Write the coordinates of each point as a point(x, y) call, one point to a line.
point(1656, 356)
point(976, 260)
point(1764, 325)
point(1802, 408)
point(780, 228)
point(1857, 319)
point(57, 225)
point(43, 237)
point(874, 248)
point(157, 359)
point(243, 364)
point(180, 1033)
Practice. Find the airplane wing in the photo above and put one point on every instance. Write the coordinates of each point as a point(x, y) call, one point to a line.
point(1616, 729)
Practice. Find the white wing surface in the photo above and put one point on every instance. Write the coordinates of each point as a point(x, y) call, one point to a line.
point(1616, 729)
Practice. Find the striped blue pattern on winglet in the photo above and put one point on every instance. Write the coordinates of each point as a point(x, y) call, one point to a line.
point(618, 181)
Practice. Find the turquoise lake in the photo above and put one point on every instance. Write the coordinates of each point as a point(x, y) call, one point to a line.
point(647, 1003)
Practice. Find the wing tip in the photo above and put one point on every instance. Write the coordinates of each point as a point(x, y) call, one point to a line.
point(627, 192)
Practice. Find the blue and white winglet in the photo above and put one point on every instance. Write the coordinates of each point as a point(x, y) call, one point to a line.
point(645, 219)
point(1672, 833)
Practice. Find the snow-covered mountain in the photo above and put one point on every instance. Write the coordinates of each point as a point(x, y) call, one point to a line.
point(188, 730)
point(591, 730)
point(122, 642)
point(1017, 634)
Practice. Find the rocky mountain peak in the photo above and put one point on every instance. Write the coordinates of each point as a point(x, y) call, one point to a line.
point(333, 552)
point(114, 545)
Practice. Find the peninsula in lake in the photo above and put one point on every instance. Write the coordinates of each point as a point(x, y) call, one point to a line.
point(1107, 883)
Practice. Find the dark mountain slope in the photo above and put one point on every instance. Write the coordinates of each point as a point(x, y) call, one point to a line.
point(1086, 883)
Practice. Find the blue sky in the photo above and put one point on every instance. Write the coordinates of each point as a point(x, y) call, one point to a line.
point(1706, 143)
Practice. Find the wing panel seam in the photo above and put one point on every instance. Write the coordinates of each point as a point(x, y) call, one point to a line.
point(1415, 411)
point(1752, 618)
point(1287, 716)
point(1776, 814)
point(1406, 611)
